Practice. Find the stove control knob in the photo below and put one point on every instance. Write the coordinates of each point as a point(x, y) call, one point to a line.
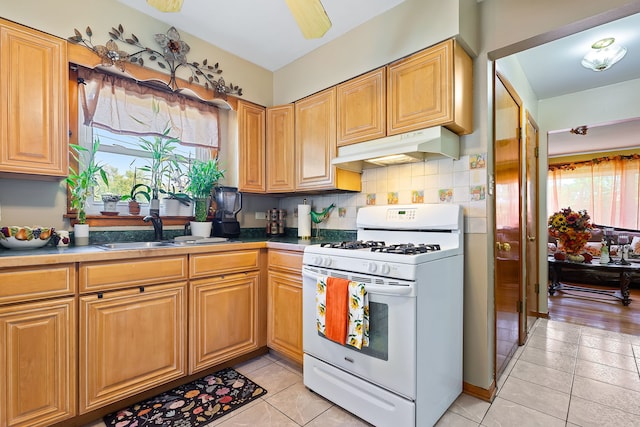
point(317, 260)
point(327, 261)
point(372, 267)
point(385, 269)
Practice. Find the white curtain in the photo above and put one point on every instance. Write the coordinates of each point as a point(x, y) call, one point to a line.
point(123, 106)
point(608, 188)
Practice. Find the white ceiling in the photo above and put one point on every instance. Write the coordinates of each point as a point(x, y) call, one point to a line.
point(262, 31)
point(554, 69)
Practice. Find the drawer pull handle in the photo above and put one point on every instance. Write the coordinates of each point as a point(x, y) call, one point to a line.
point(99, 295)
point(141, 289)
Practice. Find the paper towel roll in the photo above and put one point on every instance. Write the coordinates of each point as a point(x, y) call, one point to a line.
point(304, 221)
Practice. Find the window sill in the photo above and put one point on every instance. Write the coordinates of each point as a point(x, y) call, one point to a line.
point(127, 220)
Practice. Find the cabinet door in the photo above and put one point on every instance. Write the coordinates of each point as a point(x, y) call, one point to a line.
point(284, 324)
point(251, 134)
point(130, 341)
point(281, 161)
point(316, 140)
point(361, 108)
point(223, 320)
point(37, 363)
point(420, 90)
point(33, 102)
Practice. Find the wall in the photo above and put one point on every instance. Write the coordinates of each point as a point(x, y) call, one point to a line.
point(382, 40)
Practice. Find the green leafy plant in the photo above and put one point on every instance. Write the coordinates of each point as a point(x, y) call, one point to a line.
point(82, 180)
point(162, 161)
point(203, 176)
point(138, 190)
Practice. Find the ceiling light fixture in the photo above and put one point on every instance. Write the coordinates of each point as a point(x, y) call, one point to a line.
point(166, 5)
point(603, 55)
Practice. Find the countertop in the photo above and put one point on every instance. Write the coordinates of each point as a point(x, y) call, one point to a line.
point(52, 255)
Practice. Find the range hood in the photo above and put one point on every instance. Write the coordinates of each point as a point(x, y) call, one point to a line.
point(404, 148)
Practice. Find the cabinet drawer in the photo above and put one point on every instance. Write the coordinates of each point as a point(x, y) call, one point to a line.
point(216, 264)
point(285, 260)
point(26, 284)
point(100, 276)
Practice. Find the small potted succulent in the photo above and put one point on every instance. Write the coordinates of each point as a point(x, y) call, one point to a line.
point(110, 202)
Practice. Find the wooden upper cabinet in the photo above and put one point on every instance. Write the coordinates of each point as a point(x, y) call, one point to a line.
point(431, 88)
point(361, 108)
point(281, 160)
point(33, 102)
point(251, 136)
point(315, 143)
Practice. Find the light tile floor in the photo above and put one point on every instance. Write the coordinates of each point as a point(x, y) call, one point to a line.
point(566, 375)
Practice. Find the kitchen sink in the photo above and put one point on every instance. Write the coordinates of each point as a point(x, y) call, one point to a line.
point(134, 245)
point(179, 241)
point(195, 240)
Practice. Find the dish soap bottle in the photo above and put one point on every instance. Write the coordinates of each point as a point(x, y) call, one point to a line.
point(604, 253)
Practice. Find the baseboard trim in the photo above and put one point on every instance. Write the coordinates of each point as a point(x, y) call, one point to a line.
point(481, 393)
point(541, 315)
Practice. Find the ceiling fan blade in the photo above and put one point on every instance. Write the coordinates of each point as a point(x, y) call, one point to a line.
point(311, 17)
point(166, 5)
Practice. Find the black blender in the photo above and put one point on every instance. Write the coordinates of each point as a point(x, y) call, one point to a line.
point(228, 204)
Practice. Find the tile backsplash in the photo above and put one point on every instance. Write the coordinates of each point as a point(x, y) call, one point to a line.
point(462, 181)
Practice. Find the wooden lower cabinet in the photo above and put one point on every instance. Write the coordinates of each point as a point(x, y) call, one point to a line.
point(284, 304)
point(223, 321)
point(130, 341)
point(37, 363)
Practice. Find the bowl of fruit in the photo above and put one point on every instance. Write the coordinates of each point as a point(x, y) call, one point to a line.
point(22, 237)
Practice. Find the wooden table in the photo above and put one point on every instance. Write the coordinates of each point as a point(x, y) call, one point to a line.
point(624, 277)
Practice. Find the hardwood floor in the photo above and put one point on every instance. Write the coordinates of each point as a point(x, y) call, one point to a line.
point(599, 312)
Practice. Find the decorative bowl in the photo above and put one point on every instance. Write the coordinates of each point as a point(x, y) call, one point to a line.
point(22, 237)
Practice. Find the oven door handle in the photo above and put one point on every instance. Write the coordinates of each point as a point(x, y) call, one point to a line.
point(401, 290)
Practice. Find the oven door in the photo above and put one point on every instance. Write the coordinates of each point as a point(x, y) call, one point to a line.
point(390, 359)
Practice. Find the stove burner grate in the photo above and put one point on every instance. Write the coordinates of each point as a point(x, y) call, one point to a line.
point(407, 248)
point(356, 244)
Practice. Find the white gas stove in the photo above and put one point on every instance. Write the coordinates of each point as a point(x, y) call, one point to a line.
point(410, 258)
point(390, 239)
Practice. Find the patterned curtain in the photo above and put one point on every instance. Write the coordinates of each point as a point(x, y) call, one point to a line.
point(122, 105)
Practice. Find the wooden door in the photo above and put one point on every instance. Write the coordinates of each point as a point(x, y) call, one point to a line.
point(508, 266)
point(280, 146)
point(251, 147)
point(316, 140)
point(37, 363)
point(223, 319)
point(33, 102)
point(532, 281)
point(361, 108)
point(131, 341)
point(284, 324)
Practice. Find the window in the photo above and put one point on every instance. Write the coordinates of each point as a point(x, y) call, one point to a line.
point(608, 188)
point(124, 162)
point(126, 117)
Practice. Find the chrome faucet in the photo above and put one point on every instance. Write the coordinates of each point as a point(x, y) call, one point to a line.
point(154, 217)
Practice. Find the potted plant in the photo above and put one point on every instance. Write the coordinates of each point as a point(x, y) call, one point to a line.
point(162, 162)
point(137, 190)
point(110, 202)
point(81, 183)
point(203, 176)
